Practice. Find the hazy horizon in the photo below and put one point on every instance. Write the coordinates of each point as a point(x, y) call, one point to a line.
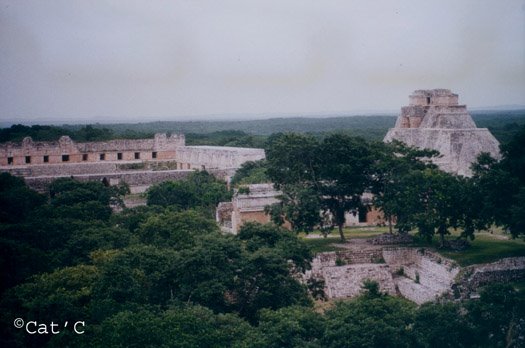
point(238, 117)
point(137, 61)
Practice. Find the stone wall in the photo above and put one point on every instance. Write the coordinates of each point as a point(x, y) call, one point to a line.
point(390, 238)
point(416, 274)
point(346, 281)
point(63, 169)
point(425, 275)
point(207, 157)
point(502, 271)
point(66, 157)
point(424, 97)
point(65, 150)
point(140, 163)
point(138, 181)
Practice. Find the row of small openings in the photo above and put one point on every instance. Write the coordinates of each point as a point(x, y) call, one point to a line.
point(65, 158)
point(102, 156)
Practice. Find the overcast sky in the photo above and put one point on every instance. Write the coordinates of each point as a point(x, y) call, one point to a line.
point(102, 61)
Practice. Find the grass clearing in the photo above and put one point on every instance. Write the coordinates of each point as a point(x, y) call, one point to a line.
point(487, 248)
point(319, 245)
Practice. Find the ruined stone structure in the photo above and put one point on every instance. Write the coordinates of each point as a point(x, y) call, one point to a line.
point(417, 274)
point(140, 162)
point(247, 205)
point(435, 120)
point(249, 202)
point(502, 271)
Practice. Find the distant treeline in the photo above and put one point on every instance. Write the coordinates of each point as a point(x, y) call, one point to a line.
point(502, 124)
point(81, 133)
point(251, 133)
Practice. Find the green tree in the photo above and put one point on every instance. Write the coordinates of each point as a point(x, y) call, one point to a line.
point(200, 190)
point(431, 202)
point(502, 183)
point(178, 327)
point(17, 201)
point(206, 273)
point(392, 162)
point(59, 296)
point(264, 278)
point(299, 206)
point(496, 187)
point(443, 325)
point(178, 230)
point(367, 321)
point(264, 281)
point(344, 174)
point(497, 317)
point(338, 169)
point(257, 236)
point(137, 275)
point(292, 326)
point(292, 158)
point(251, 172)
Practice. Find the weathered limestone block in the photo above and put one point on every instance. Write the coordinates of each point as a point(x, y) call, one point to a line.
point(347, 281)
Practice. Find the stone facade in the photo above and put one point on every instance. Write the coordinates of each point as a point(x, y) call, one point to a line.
point(66, 150)
point(435, 120)
point(139, 163)
point(205, 157)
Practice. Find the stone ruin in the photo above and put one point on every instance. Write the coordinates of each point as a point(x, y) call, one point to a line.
point(138, 162)
point(417, 274)
point(434, 120)
point(247, 205)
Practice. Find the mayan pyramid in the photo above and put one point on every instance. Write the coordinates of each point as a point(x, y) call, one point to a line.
point(434, 120)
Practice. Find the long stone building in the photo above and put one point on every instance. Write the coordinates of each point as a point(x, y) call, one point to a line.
point(435, 120)
point(139, 162)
